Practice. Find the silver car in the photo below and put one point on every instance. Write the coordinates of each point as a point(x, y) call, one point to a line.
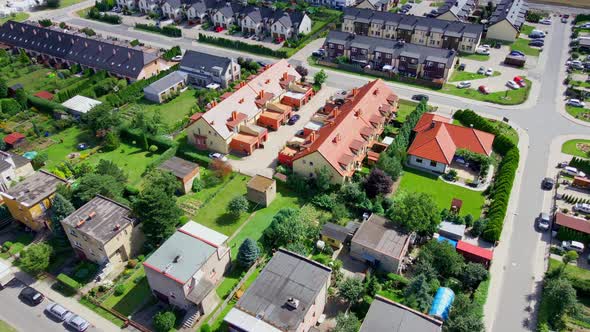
point(544, 222)
point(58, 312)
point(78, 323)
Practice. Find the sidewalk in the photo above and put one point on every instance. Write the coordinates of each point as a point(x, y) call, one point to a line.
point(70, 303)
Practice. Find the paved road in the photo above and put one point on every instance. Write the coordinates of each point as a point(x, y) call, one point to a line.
point(519, 259)
point(24, 317)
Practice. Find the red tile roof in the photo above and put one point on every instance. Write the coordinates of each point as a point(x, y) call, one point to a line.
point(475, 250)
point(355, 117)
point(44, 95)
point(438, 140)
point(13, 138)
point(578, 224)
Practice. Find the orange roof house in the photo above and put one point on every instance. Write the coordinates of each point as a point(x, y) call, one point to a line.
point(14, 139)
point(350, 129)
point(437, 140)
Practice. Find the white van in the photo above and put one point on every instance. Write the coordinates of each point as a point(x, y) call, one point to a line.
point(582, 207)
point(573, 245)
point(570, 170)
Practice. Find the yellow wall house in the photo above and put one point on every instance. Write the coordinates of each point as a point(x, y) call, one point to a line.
point(29, 200)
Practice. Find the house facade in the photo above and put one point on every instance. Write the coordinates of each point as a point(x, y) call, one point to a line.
point(289, 294)
point(103, 231)
point(433, 32)
point(127, 4)
point(149, 6)
point(203, 69)
point(13, 168)
point(352, 128)
point(29, 200)
point(437, 140)
point(457, 10)
point(507, 20)
point(166, 87)
point(60, 49)
point(185, 269)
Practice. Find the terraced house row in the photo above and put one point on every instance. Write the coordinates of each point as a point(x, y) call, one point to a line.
point(432, 32)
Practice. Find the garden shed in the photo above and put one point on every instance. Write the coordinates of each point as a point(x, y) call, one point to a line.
point(79, 105)
point(262, 190)
point(451, 230)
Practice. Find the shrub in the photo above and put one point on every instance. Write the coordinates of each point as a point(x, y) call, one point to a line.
point(45, 23)
point(153, 148)
point(169, 30)
point(94, 14)
point(6, 245)
point(198, 185)
point(67, 281)
point(132, 263)
point(164, 321)
point(236, 44)
point(119, 290)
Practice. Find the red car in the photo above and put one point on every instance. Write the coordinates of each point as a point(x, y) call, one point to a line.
point(280, 40)
point(484, 89)
point(519, 81)
point(218, 29)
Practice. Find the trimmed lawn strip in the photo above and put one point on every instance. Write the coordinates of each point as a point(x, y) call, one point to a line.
point(405, 107)
point(578, 112)
point(442, 192)
point(5, 327)
point(18, 17)
point(570, 147)
point(475, 56)
point(66, 143)
point(459, 76)
point(571, 270)
point(102, 312)
point(113, 301)
point(526, 29)
point(522, 45)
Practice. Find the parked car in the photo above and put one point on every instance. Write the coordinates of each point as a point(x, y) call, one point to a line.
point(537, 43)
point(545, 21)
point(517, 53)
point(31, 296)
point(512, 85)
point(463, 85)
point(293, 119)
point(537, 34)
point(420, 97)
point(572, 171)
point(547, 183)
point(572, 245)
point(218, 29)
point(520, 81)
point(575, 103)
point(218, 156)
point(482, 51)
point(78, 323)
point(461, 67)
point(544, 221)
point(58, 312)
point(481, 70)
point(484, 89)
point(177, 58)
point(581, 207)
point(489, 72)
point(319, 52)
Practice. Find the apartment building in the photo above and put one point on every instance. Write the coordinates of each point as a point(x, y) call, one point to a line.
point(204, 69)
point(432, 32)
point(507, 19)
point(103, 231)
point(61, 49)
point(405, 59)
point(347, 131)
point(240, 120)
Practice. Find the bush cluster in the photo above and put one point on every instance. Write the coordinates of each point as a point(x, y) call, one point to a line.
point(581, 164)
point(252, 48)
point(94, 14)
point(169, 30)
point(67, 281)
point(44, 105)
point(77, 89)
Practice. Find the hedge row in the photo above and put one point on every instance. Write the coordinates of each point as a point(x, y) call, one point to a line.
point(130, 135)
point(135, 90)
point(94, 14)
point(69, 282)
point(581, 164)
point(186, 152)
point(502, 187)
point(582, 18)
point(45, 105)
point(169, 30)
point(76, 89)
point(252, 48)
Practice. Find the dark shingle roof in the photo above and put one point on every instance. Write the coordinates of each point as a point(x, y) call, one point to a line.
point(203, 61)
point(101, 218)
point(166, 82)
point(100, 54)
point(335, 232)
point(179, 167)
point(460, 8)
point(514, 11)
point(390, 316)
point(36, 187)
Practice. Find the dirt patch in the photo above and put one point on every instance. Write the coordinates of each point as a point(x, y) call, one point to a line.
point(584, 147)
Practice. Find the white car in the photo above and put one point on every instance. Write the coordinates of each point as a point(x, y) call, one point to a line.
point(572, 245)
point(481, 70)
point(58, 311)
point(482, 51)
point(463, 85)
point(177, 58)
point(218, 156)
point(582, 207)
point(485, 46)
point(576, 103)
point(545, 21)
point(512, 85)
point(489, 72)
point(78, 323)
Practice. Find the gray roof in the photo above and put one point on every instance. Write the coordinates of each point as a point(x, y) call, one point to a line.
point(166, 82)
point(17, 160)
point(101, 218)
point(420, 52)
point(36, 187)
point(101, 54)
point(335, 232)
point(381, 235)
point(179, 167)
point(203, 61)
point(287, 275)
point(462, 9)
point(185, 252)
point(514, 11)
point(390, 316)
point(409, 22)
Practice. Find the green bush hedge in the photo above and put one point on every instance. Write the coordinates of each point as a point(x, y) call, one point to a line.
point(44, 105)
point(67, 281)
point(581, 164)
point(130, 135)
point(169, 30)
point(500, 194)
point(252, 48)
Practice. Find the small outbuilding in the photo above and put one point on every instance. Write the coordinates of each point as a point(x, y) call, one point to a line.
point(166, 87)
point(79, 105)
point(475, 253)
point(185, 171)
point(336, 235)
point(451, 231)
point(44, 95)
point(261, 190)
point(15, 139)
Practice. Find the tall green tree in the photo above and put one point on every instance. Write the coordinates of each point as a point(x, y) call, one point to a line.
point(351, 289)
point(464, 316)
point(391, 165)
point(21, 97)
point(60, 209)
point(320, 77)
point(248, 252)
point(93, 184)
point(562, 296)
point(107, 167)
point(3, 88)
point(288, 226)
point(347, 323)
point(442, 257)
point(102, 118)
point(24, 58)
point(163, 180)
point(36, 257)
point(111, 141)
point(237, 206)
point(472, 274)
point(416, 212)
point(164, 321)
point(418, 294)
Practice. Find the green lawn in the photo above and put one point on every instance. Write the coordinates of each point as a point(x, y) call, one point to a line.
point(136, 293)
point(102, 312)
point(21, 241)
point(67, 3)
point(474, 56)
point(459, 76)
point(404, 108)
point(5, 327)
point(571, 147)
point(43, 79)
point(526, 29)
point(214, 215)
point(522, 45)
point(66, 142)
point(443, 193)
point(508, 97)
point(570, 270)
point(19, 17)
point(578, 112)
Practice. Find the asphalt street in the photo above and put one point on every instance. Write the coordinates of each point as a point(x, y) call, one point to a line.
point(27, 318)
point(516, 273)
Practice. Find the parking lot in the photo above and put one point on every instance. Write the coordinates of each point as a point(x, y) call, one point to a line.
point(24, 317)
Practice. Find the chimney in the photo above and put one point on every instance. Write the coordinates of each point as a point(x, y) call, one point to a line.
point(357, 113)
point(354, 91)
point(337, 138)
point(260, 94)
point(117, 227)
point(91, 215)
point(312, 137)
point(432, 124)
point(285, 76)
point(267, 81)
point(234, 115)
point(241, 101)
point(376, 92)
point(177, 258)
point(80, 223)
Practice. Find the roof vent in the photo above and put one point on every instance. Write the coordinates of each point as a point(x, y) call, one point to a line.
point(117, 227)
point(177, 258)
point(292, 303)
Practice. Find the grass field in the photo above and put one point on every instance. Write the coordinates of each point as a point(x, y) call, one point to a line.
point(579, 112)
point(570, 270)
point(522, 45)
point(526, 29)
point(105, 314)
point(66, 142)
point(508, 97)
point(570, 147)
point(41, 80)
point(474, 56)
point(459, 76)
point(171, 112)
point(404, 108)
point(442, 192)
point(136, 293)
point(19, 17)
point(5, 327)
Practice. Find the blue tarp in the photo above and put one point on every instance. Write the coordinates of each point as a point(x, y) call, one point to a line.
point(452, 242)
point(442, 303)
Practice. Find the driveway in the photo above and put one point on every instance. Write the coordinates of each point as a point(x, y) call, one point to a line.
point(24, 317)
point(263, 161)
